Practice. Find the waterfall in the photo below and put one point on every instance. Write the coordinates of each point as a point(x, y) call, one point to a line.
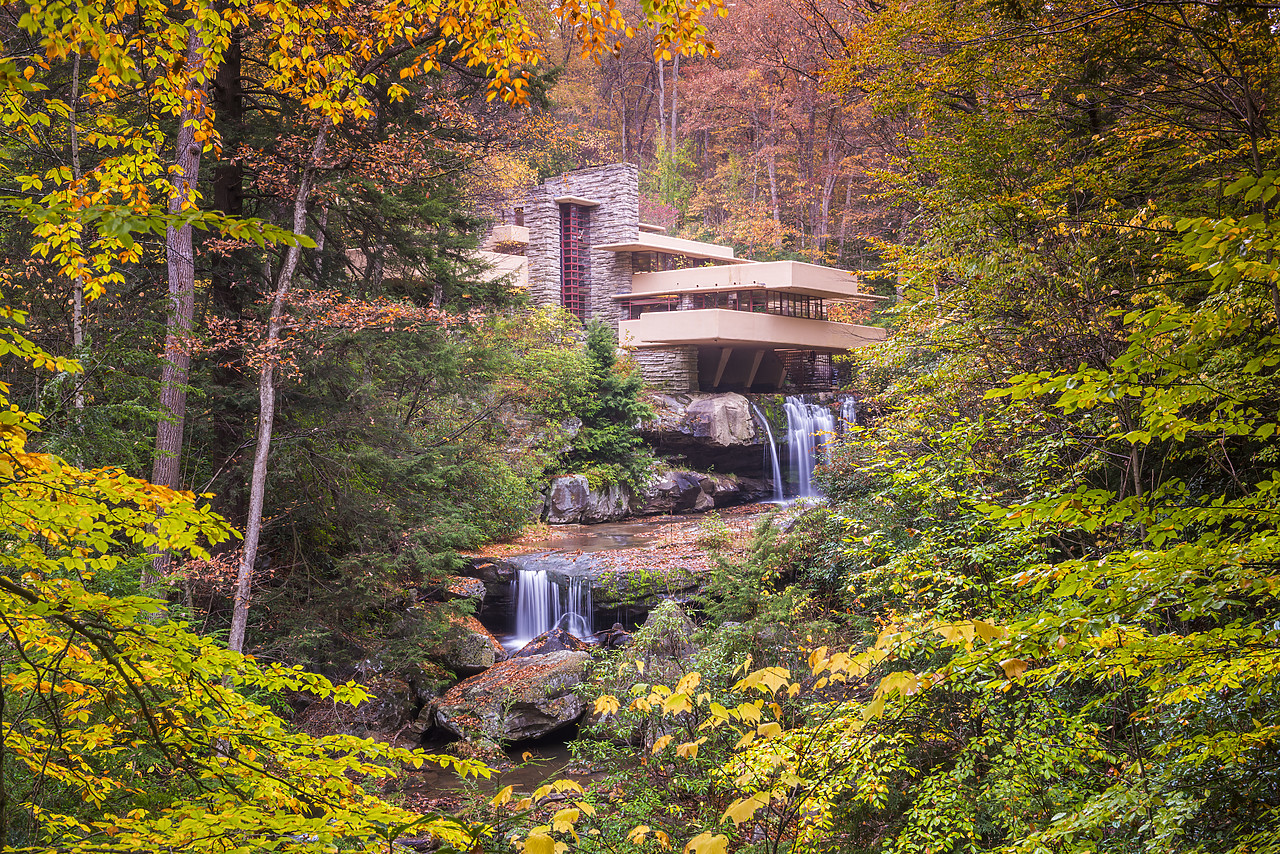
point(809, 427)
point(538, 606)
point(577, 619)
point(849, 412)
point(773, 455)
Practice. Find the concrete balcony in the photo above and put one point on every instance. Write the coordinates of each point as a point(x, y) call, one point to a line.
point(508, 234)
point(794, 277)
point(725, 328)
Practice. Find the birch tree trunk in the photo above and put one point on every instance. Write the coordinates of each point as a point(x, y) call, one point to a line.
point(167, 466)
point(267, 403)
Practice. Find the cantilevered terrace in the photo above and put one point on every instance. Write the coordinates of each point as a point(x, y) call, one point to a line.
point(694, 315)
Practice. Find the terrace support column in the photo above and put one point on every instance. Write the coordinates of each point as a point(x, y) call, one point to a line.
point(724, 361)
point(755, 368)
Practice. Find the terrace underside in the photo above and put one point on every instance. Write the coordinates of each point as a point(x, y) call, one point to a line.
point(747, 351)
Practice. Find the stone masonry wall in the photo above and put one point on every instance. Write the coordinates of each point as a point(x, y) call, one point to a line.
point(670, 369)
point(542, 216)
point(615, 220)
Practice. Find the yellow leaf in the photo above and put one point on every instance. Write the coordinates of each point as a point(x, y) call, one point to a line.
point(818, 660)
point(503, 796)
point(770, 730)
point(689, 750)
point(677, 704)
point(1013, 667)
point(744, 808)
point(689, 683)
point(705, 843)
point(988, 631)
point(767, 680)
point(564, 820)
point(637, 834)
point(539, 843)
point(607, 704)
point(661, 744)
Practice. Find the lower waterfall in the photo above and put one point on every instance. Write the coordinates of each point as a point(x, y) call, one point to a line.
point(773, 456)
point(539, 607)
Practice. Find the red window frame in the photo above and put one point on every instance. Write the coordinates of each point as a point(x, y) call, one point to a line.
point(574, 256)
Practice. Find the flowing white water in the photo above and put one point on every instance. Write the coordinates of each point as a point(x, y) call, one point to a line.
point(849, 411)
point(773, 455)
point(809, 428)
point(577, 619)
point(538, 606)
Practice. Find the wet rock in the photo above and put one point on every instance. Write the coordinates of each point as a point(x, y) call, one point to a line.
point(553, 640)
point(492, 571)
point(518, 699)
point(566, 498)
point(571, 499)
point(713, 419)
point(666, 636)
point(675, 492)
point(640, 587)
point(471, 648)
point(614, 638)
point(496, 575)
point(691, 491)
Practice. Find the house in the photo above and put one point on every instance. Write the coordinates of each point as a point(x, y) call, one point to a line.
point(694, 316)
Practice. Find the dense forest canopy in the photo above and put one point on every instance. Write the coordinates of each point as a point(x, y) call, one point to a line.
point(259, 393)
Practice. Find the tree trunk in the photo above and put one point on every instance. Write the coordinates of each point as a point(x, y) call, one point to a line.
point(77, 286)
point(675, 94)
point(167, 466)
point(844, 216)
point(662, 107)
point(824, 214)
point(773, 181)
point(622, 115)
point(267, 403)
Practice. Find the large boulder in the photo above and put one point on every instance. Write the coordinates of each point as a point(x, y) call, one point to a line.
point(676, 492)
point(571, 499)
point(552, 640)
point(713, 419)
point(470, 648)
point(707, 431)
point(686, 491)
point(518, 699)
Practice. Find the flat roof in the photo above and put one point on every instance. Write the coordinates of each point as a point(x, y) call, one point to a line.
point(653, 242)
point(576, 200)
point(721, 327)
point(798, 290)
point(793, 277)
